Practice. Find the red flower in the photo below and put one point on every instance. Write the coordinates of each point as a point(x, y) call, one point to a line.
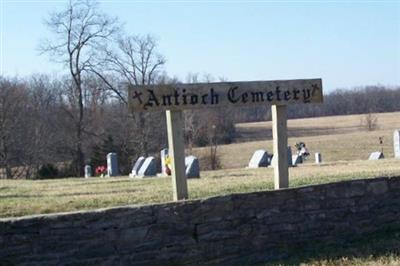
point(100, 170)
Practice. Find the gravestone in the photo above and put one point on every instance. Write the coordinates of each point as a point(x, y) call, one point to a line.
point(192, 167)
point(259, 159)
point(112, 164)
point(318, 158)
point(289, 158)
point(376, 155)
point(88, 171)
point(272, 161)
point(163, 156)
point(148, 167)
point(396, 143)
point(136, 166)
point(297, 159)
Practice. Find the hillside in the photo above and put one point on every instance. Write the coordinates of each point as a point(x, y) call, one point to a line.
point(338, 138)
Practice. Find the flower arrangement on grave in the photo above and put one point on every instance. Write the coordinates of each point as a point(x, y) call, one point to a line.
point(302, 150)
point(168, 165)
point(100, 170)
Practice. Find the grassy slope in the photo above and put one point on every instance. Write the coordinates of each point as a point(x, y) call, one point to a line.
point(338, 138)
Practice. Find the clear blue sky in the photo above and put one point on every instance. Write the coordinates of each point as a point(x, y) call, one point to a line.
point(346, 43)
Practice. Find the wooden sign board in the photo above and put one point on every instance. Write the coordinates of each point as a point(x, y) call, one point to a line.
point(223, 94)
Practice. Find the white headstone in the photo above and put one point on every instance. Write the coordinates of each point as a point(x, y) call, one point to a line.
point(192, 167)
point(148, 167)
point(136, 166)
point(318, 158)
point(259, 159)
point(289, 157)
point(396, 143)
point(112, 164)
point(376, 155)
point(88, 171)
point(163, 156)
point(297, 159)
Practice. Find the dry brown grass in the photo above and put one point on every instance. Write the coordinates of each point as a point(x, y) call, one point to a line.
point(338, 138)
point(24, 197)
point(344, 149)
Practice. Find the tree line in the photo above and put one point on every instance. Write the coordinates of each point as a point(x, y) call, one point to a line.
point(53, 126)
point(38, 128)
point(359, 100)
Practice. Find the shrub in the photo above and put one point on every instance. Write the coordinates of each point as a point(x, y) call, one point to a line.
point(370, 122)
point(47, 171)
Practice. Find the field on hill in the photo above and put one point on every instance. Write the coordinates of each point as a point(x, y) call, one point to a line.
point(338, 138)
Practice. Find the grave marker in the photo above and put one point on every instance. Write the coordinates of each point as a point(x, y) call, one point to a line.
point(396, 143)
point(377, 155)
point(289, 158)
point(88, 171)
point(112, 164)
point(136, 166)
point(192, 167)
point(174, 98)
point(318, 158)
point(259, 159)
point(148, 167)
point(297, 159)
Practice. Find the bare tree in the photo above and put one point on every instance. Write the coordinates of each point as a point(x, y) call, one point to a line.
point(369, 121)
point(78, 33)
point(135, 61)
point(13, 101)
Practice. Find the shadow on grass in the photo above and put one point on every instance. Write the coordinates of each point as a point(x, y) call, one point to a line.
point(264, 133)
point(377, 248)
point(72, 194)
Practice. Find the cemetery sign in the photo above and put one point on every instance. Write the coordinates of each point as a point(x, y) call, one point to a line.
point(174, 98)
point(223, 94)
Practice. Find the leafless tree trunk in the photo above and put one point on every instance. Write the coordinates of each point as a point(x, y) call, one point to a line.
point(12, 103)
point(370, 121)
point(79, 31)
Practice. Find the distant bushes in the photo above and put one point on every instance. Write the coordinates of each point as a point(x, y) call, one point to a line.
point(47, 171)
point(361, 100)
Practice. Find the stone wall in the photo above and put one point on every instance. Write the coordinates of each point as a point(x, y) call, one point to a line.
point(234, 229)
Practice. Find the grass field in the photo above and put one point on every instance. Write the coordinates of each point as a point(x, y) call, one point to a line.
point(345, 146)
point(344, 143)
point(338, 138)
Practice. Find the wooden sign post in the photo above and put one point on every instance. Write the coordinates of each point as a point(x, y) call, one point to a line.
point(176, 149)
point(279, 134)
point(174, 98)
